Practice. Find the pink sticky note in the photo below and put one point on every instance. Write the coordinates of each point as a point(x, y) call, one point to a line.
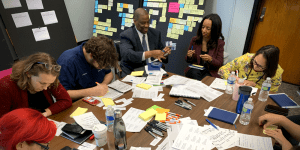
point(173, 7)
point(5, 72)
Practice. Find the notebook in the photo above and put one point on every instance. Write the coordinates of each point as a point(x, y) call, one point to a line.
point(80, 139)
point(182, 91)
point(283, 100)
point(120, 86)
point(223, 115)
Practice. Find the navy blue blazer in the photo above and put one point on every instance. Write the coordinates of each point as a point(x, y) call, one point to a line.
point(131, 50)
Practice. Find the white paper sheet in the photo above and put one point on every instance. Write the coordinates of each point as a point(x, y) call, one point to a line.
point(11, 3)
point(49, 17)
point(132, 121)
point(34, 4)
point(155, 12)
point(205, 91)
point(218, 84)
point(133, 79)
point(120, 86)
point(21, 19)
point(113, 94)
point(41, 34)
point(87, 120)
point(255, 142)
point(154, 79)
point(155, 141)
point(140, 148)
point(147, 94)
point(59, 126)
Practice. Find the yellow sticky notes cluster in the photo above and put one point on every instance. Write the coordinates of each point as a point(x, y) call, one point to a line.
point(78, 111)
point(144, 86)
point(108, 101)
point(147, 114)
point(162, 110)
point(160, 116)
point(271, 127)
point(137, 73)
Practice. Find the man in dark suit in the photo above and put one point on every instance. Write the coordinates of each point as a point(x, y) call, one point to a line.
point(140, 44)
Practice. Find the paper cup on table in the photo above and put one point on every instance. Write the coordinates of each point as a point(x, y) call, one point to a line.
point(100, 131)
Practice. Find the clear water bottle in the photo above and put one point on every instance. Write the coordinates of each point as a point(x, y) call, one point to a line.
point(230, 83)
point(246, 112)
point(109, 118)
point(265, 89)
point(119, 131)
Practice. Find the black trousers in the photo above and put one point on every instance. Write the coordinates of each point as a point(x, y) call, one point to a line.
point(197, 74)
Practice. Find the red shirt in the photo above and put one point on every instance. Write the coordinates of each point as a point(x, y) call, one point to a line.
point(12, 97)
point(216, 54)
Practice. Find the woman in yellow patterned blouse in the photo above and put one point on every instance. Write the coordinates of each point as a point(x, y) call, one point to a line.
point(255, 68)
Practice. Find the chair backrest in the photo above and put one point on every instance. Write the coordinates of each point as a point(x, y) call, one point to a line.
point(117, 44)
point(6, 72)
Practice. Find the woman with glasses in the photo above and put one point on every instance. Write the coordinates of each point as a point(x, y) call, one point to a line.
point(25, 129)
point(206, 48)
point(34, 83)
point(255, 68)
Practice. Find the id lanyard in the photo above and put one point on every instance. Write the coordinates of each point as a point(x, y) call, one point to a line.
point(258, 79)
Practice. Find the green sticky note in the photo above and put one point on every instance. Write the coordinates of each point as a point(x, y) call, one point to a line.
point(153, 107)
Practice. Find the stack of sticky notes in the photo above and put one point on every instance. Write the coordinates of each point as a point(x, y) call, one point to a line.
point(108, 101)
point(144, 86)
point(161, 114)
point(148, 114)
point(137, 73)
point(78, 111)
point(153, 107)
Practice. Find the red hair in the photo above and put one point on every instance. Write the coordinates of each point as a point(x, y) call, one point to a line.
point(27, 125)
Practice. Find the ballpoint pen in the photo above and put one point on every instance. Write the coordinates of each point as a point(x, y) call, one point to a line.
point(189, 102)
point(211, 124)
point(150, 133)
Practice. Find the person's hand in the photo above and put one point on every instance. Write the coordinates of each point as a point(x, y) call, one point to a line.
point(190, 53)
point(47, 112)
point(278, 136)
point(167, 50)
point(99, 90)
point(249, 83)
point(270, 120)
point(206, 57)
point(158, 54)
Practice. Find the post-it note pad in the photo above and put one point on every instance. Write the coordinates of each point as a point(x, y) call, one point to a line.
point(147, 114)
point(137, 73)
point(78, 111)
point(108, 101)
point(153, 107)
point(160, 116)
point(144, 86)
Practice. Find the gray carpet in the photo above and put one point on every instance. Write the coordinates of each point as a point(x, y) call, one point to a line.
point(291, 91)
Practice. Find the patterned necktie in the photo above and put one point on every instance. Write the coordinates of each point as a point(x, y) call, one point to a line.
point(144, 46)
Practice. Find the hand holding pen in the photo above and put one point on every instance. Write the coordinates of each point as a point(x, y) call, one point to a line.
point(190, 52)
point(166, 51)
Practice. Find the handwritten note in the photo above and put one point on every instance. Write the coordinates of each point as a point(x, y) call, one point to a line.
point(34, 4)
point(49, 17)
point(21, 19)
point(87, 120)
point(41, 34)
point(11, 3)
point(173, 7)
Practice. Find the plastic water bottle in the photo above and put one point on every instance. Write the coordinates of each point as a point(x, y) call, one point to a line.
point(230, 83)
point(265, 89)
point(246, 113)
point(119, 131)
point(235, 93)
point(109, 118)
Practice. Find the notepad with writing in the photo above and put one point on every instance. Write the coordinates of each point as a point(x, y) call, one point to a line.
point(283, 100)
point(223, 115)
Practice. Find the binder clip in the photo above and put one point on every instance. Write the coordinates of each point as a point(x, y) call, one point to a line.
point(183, 104)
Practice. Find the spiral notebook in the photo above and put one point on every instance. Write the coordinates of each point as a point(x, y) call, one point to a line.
point(182, 91)
point(283, 100)
point(222, 115)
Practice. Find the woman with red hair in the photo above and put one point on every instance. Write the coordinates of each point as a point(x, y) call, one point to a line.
point(25, 129)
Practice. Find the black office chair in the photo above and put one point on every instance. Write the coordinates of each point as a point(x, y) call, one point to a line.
point(118, 69)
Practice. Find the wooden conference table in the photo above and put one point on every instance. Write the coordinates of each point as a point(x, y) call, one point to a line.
point(143, 139)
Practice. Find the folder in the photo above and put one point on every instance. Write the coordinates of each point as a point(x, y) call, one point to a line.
point(223, 115)
point(283, 100)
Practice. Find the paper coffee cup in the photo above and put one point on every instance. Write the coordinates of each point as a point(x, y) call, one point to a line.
point(100, 131)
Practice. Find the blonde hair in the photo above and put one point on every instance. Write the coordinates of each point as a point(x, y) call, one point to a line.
point(28, 66)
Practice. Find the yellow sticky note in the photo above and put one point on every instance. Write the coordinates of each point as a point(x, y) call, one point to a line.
point(162, 19)
point(95, 34)
point(181, 1)
point(172, 20)
point(271, 127)
point(225, 82)
point(108, 101)
point(190, 29)
point(119, 9)
point(180, 15)
point(147, 114)
point(181, 31)
point(98, 31)
point(188, 23)
point(190, 18)
point(162, 110)
point(131, 15)
point(110, 33)
point(151, 11)
point(137, 73)
point(200, 12)
point(165, 4)
point(95, 22)
point(108, 20)
point(161, 5)
point(100, 11)
point(144, 86)
point(201, 2)
point(125, 5)
point(168, 35)
point(193, 24)
point(96, 18)
point(182, 27)
point(109, 8)
point(178, 20)
point(196, 18)
point(104, 6)
point(160, 116)
point(118, 5)
point(197, 65)
point(114, 29)
point(78, 111)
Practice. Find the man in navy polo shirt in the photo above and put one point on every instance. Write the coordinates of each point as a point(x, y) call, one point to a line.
point(85, 70)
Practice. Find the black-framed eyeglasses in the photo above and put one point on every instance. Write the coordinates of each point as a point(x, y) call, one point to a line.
point(258, 65)
point(43, 146)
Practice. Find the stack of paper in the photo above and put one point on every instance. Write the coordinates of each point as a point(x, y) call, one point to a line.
point(132, 121)
point(218, 84)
